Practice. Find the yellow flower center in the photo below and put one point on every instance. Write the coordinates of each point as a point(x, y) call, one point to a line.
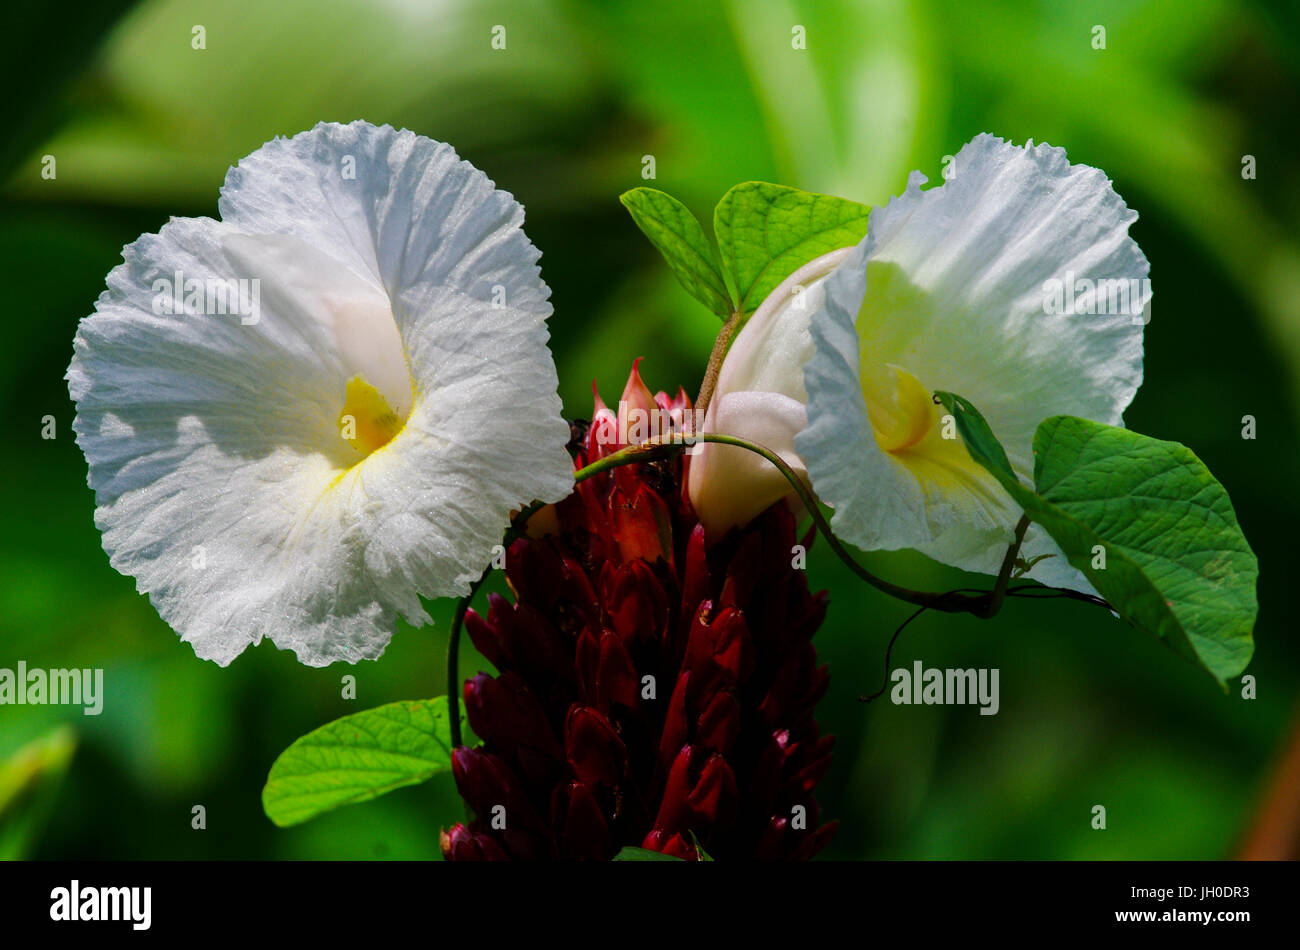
point(367, 422)
point(905, 421)
point(901, 410)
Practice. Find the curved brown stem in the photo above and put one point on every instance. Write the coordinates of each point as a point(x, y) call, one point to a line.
point(714, 368)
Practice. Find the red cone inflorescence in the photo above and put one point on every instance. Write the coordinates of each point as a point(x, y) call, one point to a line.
point(653, 690)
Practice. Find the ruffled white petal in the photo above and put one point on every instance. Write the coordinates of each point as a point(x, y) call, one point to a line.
point(222, 483)
point(949, 285)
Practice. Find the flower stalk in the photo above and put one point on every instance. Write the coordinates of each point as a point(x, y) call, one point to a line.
point(712, 371)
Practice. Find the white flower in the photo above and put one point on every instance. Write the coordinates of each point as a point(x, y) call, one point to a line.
point(356, 431)
point(970, 288)
point(759, 396)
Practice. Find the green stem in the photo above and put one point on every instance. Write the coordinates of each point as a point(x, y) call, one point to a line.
point(999, 592)
point(951, 602)
point(644, 452)
point(453, 659)
point(984, 604)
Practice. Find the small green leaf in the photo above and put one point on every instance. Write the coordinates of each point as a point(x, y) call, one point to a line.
point(29, 782)
point(981, 443)
point(766, 232)
point(643, 854)
point(1025, 566)
point(677, 234)
point(1146, 523)
point(357, 758)
point(700, 853)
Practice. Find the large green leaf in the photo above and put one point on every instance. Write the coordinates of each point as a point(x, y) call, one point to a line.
point(357, 758)
point(766, 232)
point(1175, 564)
point(677, 234)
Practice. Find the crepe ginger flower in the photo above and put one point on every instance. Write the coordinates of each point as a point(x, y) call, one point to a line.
point(302, 416)
point(652, 691)
point(1014, 284)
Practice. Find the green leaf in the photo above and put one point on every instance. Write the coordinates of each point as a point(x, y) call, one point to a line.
point(29, 782)
point(1176, 563)
point(981, 443)
point(357, 758)
point(677, 234)
point(643, 854)
point(766, 232)
point(700, 853)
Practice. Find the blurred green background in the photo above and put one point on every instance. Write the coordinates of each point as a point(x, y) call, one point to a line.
point(143, 126)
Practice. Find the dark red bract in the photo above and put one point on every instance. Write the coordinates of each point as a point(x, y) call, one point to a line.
point(653, 691)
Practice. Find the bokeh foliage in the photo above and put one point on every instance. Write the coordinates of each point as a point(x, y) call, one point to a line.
point(143, 126)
